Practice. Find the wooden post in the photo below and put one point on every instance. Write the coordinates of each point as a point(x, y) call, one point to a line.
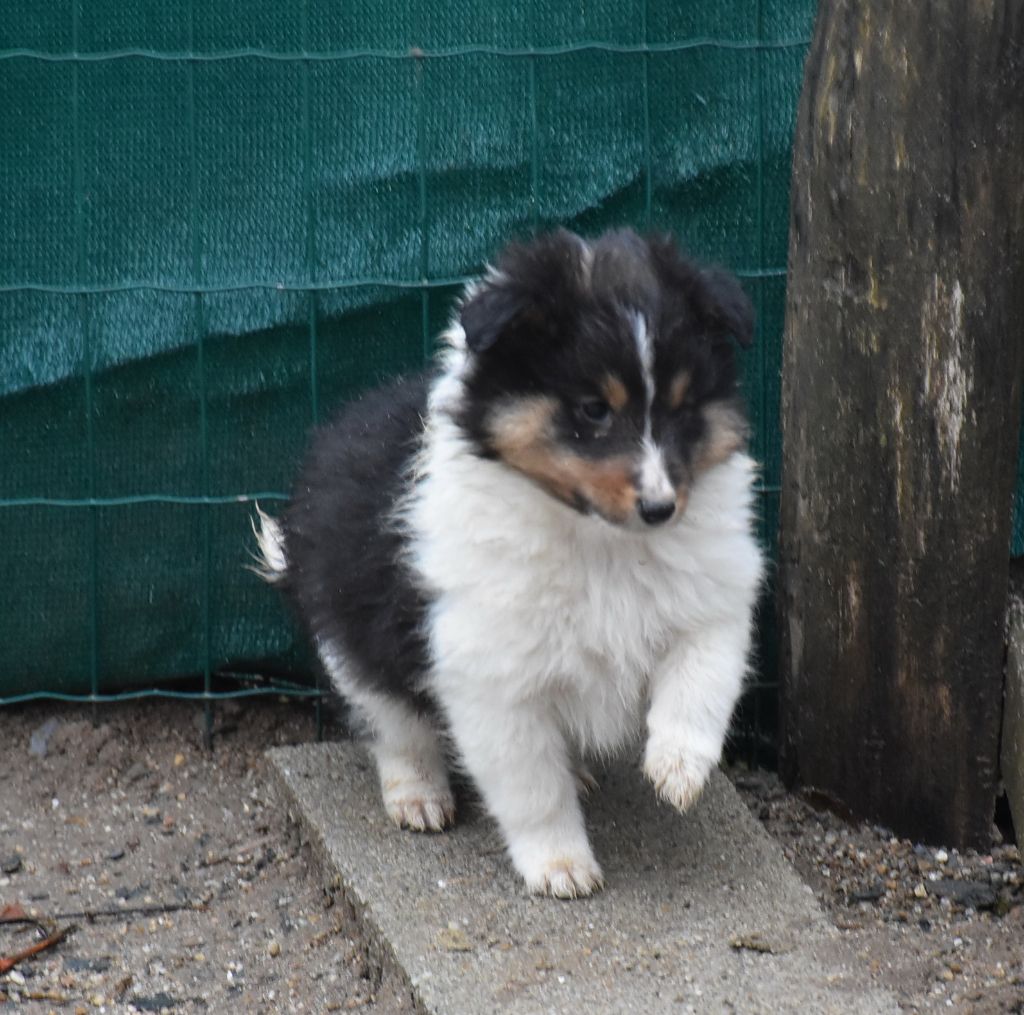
point(901, 405)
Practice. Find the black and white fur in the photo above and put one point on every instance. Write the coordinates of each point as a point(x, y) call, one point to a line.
point(541, 547)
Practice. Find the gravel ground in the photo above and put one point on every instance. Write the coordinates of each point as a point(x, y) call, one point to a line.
point(189, 891)
point(186, 886)
point(943, 929)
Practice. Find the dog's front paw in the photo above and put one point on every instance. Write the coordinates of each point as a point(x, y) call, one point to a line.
point(419, 806)
point(566, 877)
point(558, 865)
point(678, 776)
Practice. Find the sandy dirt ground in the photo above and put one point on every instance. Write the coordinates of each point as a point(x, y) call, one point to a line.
point(186, 886)
point(189, 891)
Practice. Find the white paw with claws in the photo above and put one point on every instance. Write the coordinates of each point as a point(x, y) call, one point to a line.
point(419, 806)
point(566, 877)
point(678, 776)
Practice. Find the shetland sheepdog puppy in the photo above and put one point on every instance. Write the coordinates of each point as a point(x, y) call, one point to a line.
point(542, 548)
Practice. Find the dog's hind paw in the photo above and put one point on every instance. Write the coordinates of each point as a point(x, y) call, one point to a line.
point(422, 811)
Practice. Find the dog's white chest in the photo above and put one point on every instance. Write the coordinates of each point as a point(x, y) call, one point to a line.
point(531, 600)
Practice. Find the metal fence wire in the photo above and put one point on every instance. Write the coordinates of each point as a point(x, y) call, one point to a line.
point(221, 220)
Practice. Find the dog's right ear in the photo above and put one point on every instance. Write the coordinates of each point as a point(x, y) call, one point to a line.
point(488, 313)
point(529, 292)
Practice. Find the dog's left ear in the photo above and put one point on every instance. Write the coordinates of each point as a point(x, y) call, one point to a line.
point(723, 305)
point(714, 295)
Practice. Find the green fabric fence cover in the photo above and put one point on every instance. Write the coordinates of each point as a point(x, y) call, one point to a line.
point(219, 220)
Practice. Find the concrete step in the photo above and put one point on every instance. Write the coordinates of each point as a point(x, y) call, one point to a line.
point(701, 912)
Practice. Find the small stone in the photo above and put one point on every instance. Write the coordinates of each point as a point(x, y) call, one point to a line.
point(11, 864)
point(941, 856)
point(179, 760)
point(451, 939)
point(39, 742)
point(946, 974)
point(136, 772)
point(15, 977)
point(920, 892)
point(969, 894)
point(274, 949)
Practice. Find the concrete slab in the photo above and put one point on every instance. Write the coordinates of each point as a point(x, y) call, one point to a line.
point(701, 912)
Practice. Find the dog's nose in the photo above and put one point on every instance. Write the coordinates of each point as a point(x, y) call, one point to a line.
point(654, 512)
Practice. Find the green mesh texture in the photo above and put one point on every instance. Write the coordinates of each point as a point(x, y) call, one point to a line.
point(222, 220)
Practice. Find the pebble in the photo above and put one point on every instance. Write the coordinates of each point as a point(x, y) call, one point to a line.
point(135, 772)
point(39, 742)
point(274, 949)
point(941, 856)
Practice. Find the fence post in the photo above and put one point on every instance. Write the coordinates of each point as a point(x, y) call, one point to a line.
point(901, 406)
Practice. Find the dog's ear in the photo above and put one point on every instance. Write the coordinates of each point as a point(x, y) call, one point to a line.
point(488, 313)
point(723, 305)
point(713, 295)
point(527, 293)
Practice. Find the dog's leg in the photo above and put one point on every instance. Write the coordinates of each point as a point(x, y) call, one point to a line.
point(518, 759)
point(407, 748)
point(693, 693)
point(410, 763)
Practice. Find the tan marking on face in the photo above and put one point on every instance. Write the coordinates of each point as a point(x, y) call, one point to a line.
point(726, 434)
point(608, 486)
point(677, 390)
point(522, 424)
point(615, 393)
point(682, 499)
point(522, 435)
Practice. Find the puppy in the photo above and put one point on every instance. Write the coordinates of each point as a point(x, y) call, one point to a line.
point(541, 546)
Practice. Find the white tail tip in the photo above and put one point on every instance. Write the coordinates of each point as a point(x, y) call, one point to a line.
point(270, 562)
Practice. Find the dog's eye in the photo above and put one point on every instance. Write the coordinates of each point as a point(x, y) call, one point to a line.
point(595, 410)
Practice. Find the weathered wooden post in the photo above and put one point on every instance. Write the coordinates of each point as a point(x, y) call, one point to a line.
point(901, 402)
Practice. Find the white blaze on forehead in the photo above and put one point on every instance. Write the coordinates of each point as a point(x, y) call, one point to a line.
point(655, 485)
point(645, 350)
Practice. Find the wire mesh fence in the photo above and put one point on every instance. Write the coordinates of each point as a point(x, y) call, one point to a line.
point(221, 222)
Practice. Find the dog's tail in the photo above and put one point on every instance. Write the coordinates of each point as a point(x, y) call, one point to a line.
point(270, 562)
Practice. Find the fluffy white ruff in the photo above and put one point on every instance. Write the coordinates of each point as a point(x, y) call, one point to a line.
point(552, 633)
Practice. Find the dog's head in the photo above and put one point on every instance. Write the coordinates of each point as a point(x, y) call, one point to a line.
point(604, 371)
